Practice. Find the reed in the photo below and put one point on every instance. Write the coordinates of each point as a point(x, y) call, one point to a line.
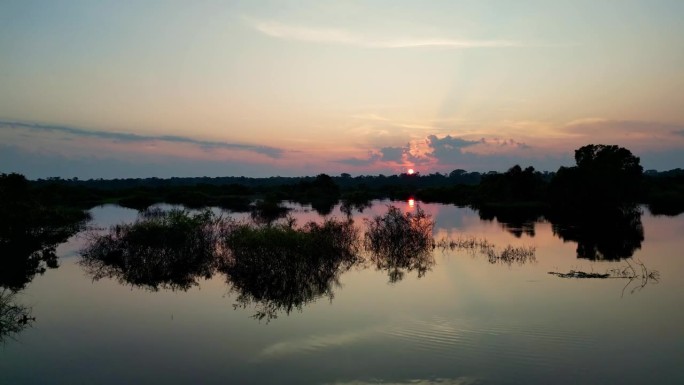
point(508, 255)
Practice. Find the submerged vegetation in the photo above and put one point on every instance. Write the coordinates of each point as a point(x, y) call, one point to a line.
point(162, 249)
point(508, 255)
point(400, 242)
point(278, 266)
point(282, 267)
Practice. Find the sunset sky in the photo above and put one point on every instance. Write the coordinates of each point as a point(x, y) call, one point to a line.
point(107, 89)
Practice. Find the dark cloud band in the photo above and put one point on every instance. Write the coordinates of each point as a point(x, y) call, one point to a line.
point(271, 152)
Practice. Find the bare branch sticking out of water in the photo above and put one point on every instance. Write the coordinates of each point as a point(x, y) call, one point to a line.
point(638, 273)
point(508, 255)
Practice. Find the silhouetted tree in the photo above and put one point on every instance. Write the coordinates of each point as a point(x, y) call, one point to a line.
point(515, 185)
point(605, 176)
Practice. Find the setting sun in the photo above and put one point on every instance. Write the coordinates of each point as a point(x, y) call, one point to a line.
point(411, 171)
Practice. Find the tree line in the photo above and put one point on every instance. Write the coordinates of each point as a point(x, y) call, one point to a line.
point(604, 176)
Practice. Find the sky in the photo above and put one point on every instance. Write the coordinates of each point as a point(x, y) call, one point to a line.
point(113, 89)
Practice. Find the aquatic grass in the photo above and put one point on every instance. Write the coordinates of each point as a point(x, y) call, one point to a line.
point(400, 242)
point(508, 255)
point(162, 249)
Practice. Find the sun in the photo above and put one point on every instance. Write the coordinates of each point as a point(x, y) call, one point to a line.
point(410, 171)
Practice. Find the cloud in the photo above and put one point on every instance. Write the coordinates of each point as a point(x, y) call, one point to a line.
point(41, 164)
point(383, 154)
point(271, 152)
point(339, 36)
point(624, 127)
point(393, 154)
point(448, 149)
point(372, 158)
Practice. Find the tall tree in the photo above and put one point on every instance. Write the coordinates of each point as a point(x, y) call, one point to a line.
point(606, 176)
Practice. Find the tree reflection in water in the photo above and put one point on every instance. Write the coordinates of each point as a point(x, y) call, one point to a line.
point(609, 235)
point(13, 317)
point(280, 268)
point(400, 243)
point(29, 235)
point(277, 267)
point(517, 220)
point(169, 250)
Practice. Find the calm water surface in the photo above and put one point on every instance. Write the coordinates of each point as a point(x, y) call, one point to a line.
point(465, 321)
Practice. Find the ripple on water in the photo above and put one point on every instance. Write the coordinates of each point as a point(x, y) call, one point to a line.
point(509, 343)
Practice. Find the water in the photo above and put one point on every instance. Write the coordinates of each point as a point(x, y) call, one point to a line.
point(464, 321)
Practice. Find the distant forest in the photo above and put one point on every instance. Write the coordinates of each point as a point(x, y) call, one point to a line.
point(604, 177)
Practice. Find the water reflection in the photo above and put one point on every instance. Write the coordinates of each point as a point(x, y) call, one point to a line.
point(354, 203)
point(400, 243)
point(508, 255)
point(275, 266)
point(268, 211)
point(280, 268)
point(608, 235)
point(13, 317)
point(605, 236)
point(28, 240)
point(29, 236)
point(170, 250)
point(515, 220)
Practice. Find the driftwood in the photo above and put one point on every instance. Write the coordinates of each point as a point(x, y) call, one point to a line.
point(639, 274)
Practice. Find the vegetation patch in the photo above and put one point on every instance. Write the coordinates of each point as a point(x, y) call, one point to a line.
point(400, 242)
point(508, 255)
point(162, 249)
point(282, 267)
